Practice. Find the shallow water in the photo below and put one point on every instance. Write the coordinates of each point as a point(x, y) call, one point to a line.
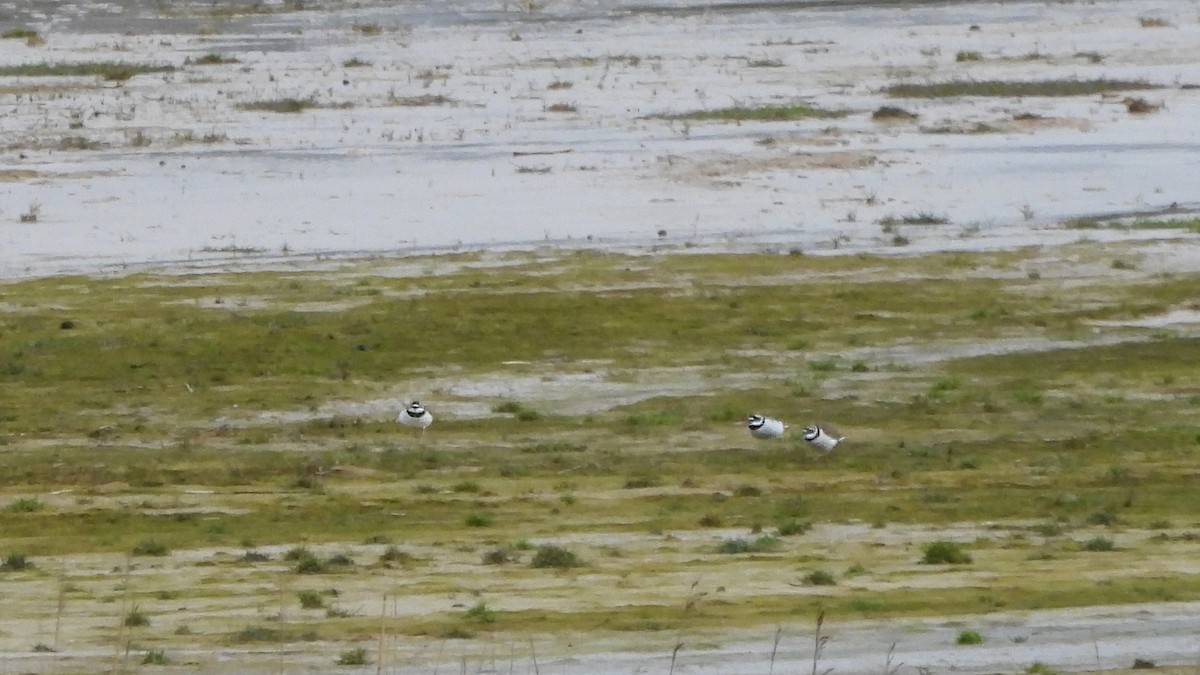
point(445, 141)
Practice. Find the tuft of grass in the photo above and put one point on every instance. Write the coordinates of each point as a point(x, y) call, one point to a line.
point(113, 71)
point(1015, 89)
point(25, 505)
point(353, 657)
point(211, 59)
point(763, 544)
point(889, 113)
point(311, 600)
point(820, 578)
point(1099, 545)
point(969, 637)
point(137, 618)
point(943, 552)
point(967, 55)
point(478, 520)
point(554, 557)
point(151, 547)
point(481, 613)
point(155, 657)
point(15, 562)
point(280, 105)
point(20, 33)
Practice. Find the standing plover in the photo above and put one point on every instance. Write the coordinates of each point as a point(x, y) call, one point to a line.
point(822, 438)
point(415, 416)
point(764, 427)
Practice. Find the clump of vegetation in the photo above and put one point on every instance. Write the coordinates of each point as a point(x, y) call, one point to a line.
point(478, 520)
point(280, 105)
point(969, 637)
point(15, 562)
point(19, 33)
point(556, 557)
point(967, 55)
point(763, 544)
point(394, 555)
point(151, 547)
point(820, 578)
point(481, 613)
point(891, 113)
point(353, 657)
point(1099, 544)
point(943, 552)
point(155, 657)
point(137, 618)
point(311, 600)
point(25, 505)
point(1015, 89)
point(767, 113)
point(112, 71)
point(793, 527)
point(211, 59)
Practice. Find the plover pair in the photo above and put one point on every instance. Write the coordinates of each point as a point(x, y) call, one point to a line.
point(823, 438)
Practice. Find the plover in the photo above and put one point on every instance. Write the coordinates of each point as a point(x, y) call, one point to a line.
point(415, 416)
point(764, 427)
point(822, 438)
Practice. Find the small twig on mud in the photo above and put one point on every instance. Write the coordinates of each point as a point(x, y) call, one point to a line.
point(675, 653)
point(775, 647)
point(819, 642)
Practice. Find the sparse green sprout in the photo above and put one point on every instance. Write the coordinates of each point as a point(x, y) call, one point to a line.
point(155, 657)
point(353, 657)
point(19, 33)
point(26, 505)
point(969, 637)
point(31, 214)
point(481, 613)
point(151, 547)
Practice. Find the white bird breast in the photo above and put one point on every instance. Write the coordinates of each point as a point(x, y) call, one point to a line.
point(771, 428)
point(419, 422)
point(817, 437)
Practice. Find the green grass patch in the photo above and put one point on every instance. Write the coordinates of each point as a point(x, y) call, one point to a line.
point(766, 113)
point(1014, 89)
point(115, 71)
